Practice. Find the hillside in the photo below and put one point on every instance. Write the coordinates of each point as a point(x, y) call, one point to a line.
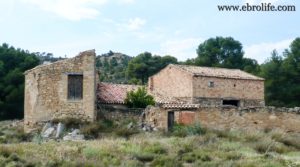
point(112, 66)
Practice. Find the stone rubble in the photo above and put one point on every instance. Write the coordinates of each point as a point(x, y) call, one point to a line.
point(74, 136)
point(56, 131)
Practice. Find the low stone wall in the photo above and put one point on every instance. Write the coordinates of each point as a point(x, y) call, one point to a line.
point(118, 112)
point(227, 117)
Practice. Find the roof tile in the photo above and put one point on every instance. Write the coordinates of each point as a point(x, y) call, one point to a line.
point(217, 72)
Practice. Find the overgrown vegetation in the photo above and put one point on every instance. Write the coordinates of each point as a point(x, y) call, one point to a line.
point(139, 98)
point(197, 147)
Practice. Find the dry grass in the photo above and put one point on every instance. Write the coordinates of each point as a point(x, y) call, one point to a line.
point(212, 148)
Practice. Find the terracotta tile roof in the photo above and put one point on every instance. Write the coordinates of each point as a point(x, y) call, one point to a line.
point(108, 93)
point(180, 106)
point(171, 102)
point(217, 72)
point(161, 99)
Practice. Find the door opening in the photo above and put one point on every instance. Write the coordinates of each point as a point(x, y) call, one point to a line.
point(170, 120)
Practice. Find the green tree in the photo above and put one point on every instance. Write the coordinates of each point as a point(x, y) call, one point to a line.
point(139, 98)
point(13, 63)
point(144, 65)
point(274, 79)
point(282, 85)
point(220, 52)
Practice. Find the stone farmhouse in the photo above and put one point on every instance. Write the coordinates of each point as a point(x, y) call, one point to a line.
point(183, 94)
point(207, 86)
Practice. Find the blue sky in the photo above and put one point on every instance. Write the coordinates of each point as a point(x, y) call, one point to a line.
point(164, 27)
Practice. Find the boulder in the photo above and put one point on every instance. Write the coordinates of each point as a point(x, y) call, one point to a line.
point(130, 125)
point(73, 137)
point(46, 126)
point(48, 132)
point(60, 129)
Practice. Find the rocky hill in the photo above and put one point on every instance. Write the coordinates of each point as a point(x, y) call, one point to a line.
point(112, 66)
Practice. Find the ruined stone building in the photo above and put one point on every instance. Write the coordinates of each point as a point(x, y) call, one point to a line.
point(206, 86)
point(61, 89)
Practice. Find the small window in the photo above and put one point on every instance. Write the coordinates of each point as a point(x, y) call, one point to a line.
point(231, 102)
point(211, 84)
point(75, 87)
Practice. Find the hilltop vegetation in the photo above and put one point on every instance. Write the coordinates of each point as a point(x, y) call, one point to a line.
point(112, 67)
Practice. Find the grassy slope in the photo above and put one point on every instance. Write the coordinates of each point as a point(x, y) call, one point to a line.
point(212, 148)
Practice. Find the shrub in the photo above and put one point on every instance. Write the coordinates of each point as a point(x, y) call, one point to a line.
point(144, 157)
point(267, 145)
point(125, 132)
point(5, 152)
point(165, 161)
point(291, 141)
point(139, 98)
point(156, 149)
point(15, 135)
point(180, 130)
point(92, 130)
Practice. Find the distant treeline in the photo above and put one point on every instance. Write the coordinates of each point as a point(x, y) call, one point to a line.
point(281, 70)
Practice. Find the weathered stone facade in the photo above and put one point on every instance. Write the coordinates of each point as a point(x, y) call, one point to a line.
point(287, 119)
point(46, 90)
point(208, 86)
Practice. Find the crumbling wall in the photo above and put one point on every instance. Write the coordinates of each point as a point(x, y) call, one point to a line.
point(287, 119)
point(46, 89)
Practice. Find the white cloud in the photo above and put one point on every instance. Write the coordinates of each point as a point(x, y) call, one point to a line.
point(135, 24)
point(69, 9)
point(262, 51)
point(182, 49)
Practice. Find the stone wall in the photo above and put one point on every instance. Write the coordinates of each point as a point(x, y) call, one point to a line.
point(287, 119)
point(46, 89)
point(172, 82)
point(118, 112)
point(249, 92)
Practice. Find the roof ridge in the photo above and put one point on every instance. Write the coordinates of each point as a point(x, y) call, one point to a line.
point(217, 72)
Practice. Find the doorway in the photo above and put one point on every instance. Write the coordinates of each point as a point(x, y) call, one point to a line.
point(170, 120)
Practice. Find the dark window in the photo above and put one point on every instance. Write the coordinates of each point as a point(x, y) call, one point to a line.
point(231, 102)
point(75, 86)
point(211, 84)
